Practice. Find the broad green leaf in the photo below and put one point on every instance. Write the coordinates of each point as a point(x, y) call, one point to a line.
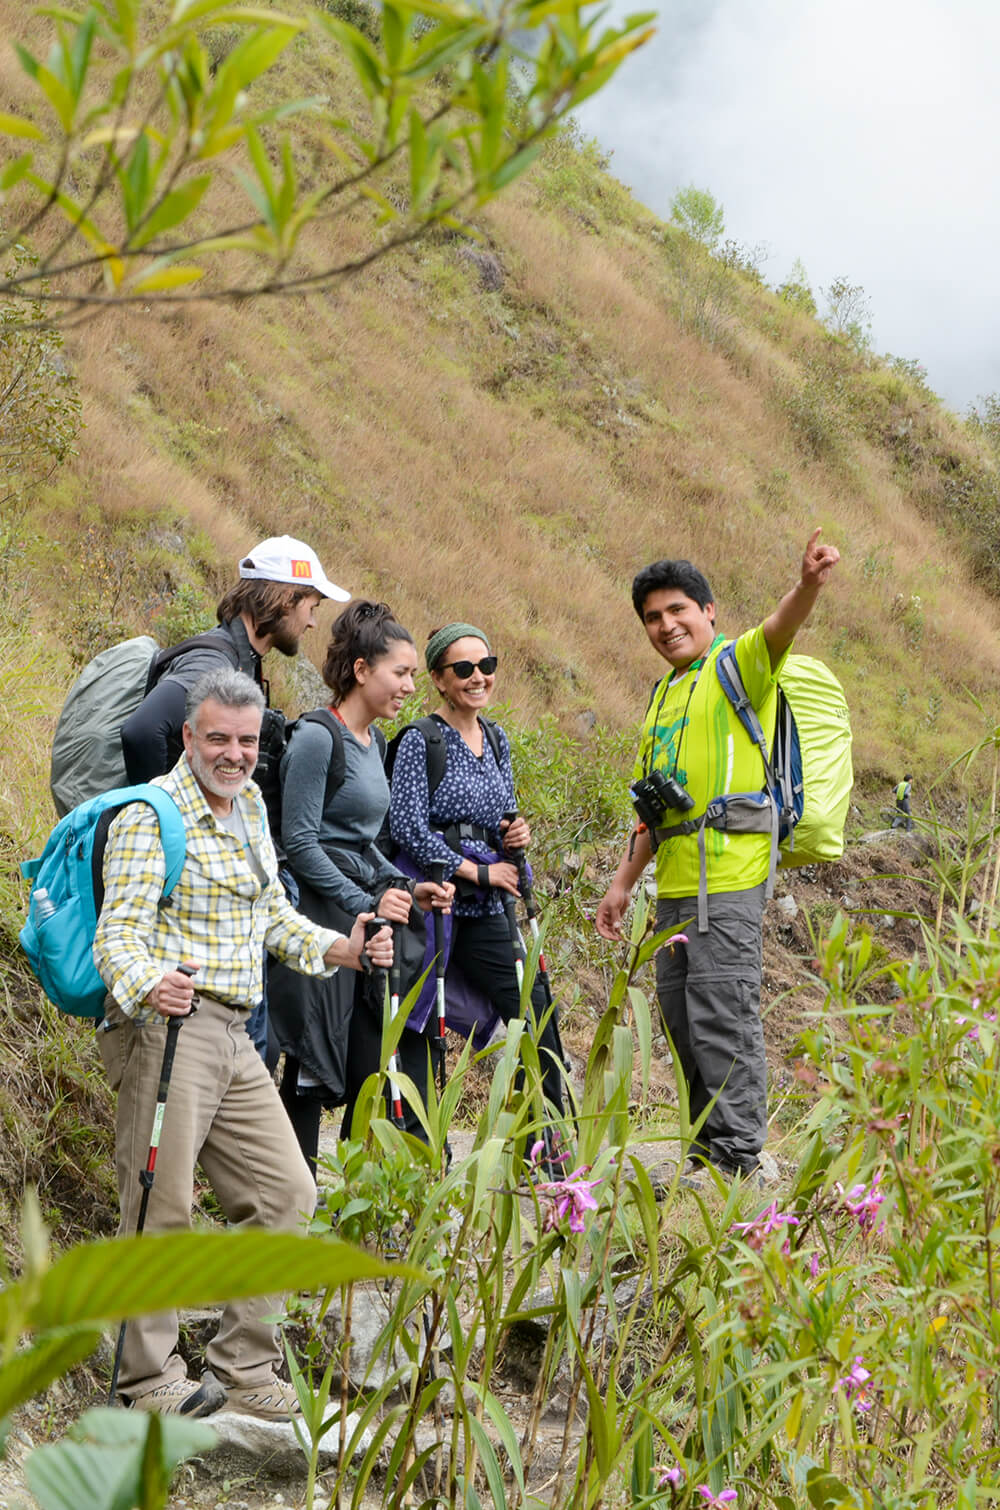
point(32, 1369)
point(642, 1019)
point(28, 61)
point(166, 279)
point(504, 1428)
point(393, 34)
point(173, 208)
point(488, 1458)
point(79, 56)
point(16, 125)
point(15, 171)
point(224, 13)
point(255, 54)
point(58, 96)
point(123, 1277)
point(108, 1456)
point(135, 182)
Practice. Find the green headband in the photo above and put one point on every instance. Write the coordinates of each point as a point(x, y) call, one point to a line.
point(439, 642)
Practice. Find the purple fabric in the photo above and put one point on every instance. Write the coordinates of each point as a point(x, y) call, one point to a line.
point(467, 1010)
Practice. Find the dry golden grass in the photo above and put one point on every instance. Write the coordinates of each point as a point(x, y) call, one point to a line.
point(514, 457)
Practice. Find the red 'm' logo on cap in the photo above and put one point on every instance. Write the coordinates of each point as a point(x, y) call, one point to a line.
point(301, 569)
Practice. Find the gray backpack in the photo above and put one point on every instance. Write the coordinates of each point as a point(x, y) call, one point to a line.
point(87, 754)
point(87, 749)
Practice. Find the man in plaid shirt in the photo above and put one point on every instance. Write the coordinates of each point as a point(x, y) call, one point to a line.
point(223, 1110)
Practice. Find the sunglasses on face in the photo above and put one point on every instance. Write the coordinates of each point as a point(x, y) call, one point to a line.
point(464, 669)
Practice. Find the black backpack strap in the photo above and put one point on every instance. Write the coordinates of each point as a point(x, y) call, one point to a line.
point(430, 731)
point(337, 768)
point(212, 639)
point(492, 732)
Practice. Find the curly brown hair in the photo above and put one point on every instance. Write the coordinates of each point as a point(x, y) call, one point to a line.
point(364, 631)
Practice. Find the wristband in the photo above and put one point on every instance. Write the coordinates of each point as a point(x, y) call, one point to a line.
point(483, 876)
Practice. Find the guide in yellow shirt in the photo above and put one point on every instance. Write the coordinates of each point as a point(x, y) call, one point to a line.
point(693, 749)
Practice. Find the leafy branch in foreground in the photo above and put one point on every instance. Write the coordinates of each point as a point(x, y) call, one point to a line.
point(136, 119)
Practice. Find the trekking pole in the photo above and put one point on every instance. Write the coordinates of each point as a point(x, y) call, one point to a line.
point(520, 857)
point(435, 873)
point(148, 1173)
point(392, 978)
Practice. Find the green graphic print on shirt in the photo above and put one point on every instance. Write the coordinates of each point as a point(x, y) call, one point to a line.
point(700, 731)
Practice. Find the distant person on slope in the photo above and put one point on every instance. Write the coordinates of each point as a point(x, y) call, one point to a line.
point(901, 818)
point(692, 749)
point(270, 608)
point(330, 1027)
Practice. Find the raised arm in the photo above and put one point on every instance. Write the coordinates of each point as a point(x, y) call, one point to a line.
point(795, 607)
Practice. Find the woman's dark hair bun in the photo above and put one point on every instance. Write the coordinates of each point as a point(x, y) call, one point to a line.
point(362, 632)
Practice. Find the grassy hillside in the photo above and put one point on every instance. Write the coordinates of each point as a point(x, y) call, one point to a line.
point(506, 430)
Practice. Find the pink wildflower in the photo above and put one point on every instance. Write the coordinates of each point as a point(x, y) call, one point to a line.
point(672, 1477)
point(756, 1233)
point(570, 1197)
point(814, 1266)
point(863, 1201)
point(855, 1385)
point(537, 1149)
point(721, 1500)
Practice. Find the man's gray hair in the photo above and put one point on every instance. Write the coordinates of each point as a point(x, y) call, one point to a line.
point(225, 685)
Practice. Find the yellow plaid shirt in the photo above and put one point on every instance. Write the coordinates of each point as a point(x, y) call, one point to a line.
point(220, 916)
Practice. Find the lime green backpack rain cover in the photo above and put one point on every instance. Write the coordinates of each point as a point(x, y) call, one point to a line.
point(819, 706)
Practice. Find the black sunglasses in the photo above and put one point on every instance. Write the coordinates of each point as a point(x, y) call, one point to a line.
point(464, 669)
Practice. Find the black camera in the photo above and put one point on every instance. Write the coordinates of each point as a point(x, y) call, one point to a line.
point(657, 794)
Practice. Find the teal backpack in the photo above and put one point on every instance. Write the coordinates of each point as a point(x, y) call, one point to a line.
point(68, 889)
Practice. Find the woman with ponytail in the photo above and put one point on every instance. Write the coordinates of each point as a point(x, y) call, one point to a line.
point(335, 797)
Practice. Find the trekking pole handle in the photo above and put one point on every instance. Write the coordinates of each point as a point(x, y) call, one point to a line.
point(373, 926)
point(520, 857)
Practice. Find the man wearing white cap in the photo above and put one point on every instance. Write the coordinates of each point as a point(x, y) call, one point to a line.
point(270, 608)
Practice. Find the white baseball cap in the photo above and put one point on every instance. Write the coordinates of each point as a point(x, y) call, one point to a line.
point(282, 559)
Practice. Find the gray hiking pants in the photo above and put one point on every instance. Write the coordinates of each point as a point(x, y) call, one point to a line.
point(709, 994)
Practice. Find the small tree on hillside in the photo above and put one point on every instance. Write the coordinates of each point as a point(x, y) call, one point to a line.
point(984, 419)
point(699, 214)
point(796, 290)
point(848, 312)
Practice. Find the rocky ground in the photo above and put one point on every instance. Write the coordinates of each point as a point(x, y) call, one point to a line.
point(877, 880)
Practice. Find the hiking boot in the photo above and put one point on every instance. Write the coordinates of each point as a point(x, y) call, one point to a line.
point(274, 1400)
point(705, 1175)
point(182, 1397)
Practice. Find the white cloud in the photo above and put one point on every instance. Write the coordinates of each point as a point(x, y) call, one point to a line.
point(860, 137)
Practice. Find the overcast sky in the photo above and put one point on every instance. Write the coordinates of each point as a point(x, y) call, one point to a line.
point(862, 136)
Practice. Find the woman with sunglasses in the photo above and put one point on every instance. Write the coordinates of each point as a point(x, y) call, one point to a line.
point(335, 797)
point(460, 824)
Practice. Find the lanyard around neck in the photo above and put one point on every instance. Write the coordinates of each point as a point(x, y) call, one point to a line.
point(697, 667)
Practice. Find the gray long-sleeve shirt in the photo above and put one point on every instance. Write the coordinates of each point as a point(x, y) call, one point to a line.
point(351, 821)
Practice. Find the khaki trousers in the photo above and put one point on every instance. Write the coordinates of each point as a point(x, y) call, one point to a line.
point(223, 1112)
